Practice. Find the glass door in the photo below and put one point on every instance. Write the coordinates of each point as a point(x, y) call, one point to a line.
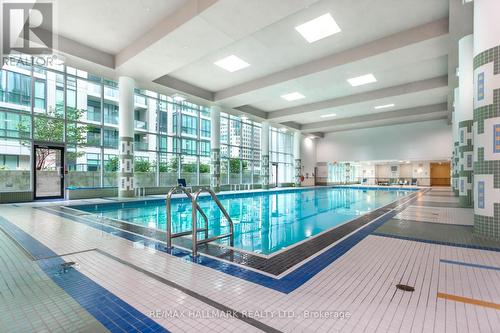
point(274, 176)
point(48, 172)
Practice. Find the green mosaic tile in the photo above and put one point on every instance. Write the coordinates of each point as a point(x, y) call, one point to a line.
point(487, 56)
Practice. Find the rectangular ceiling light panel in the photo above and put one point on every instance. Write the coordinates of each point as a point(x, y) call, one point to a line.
point(318, 28)
point(292, 96)
point(361, 80)
point(232, 63)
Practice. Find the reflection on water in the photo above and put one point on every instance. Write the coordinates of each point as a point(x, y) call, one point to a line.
point(265, 222)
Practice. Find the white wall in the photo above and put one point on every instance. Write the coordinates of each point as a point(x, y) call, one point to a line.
point(430, 140)
point(308, 156)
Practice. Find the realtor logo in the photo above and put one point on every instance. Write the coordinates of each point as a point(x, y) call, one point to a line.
point(27, 27)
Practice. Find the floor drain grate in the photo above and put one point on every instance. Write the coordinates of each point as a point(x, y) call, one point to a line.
point(404, 287)
point(67, 266)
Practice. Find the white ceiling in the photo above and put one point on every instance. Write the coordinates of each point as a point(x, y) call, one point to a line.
point(110, 25)
point(279, 45)
point(176, 42)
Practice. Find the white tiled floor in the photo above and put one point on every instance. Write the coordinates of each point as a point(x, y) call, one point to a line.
point(361, 283)
point(461, 216)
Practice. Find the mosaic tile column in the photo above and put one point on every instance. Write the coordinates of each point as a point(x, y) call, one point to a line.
point(215, 170)
point(487, 118)
point(297, 137)
point(465, 122)
point(455, 169)
point(264, 166)
point(126, 182)
point(126, 134)
point(215, 151)
point(465, 166)
point(455, 159)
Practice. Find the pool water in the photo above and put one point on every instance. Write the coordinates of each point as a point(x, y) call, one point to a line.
point(264, 222)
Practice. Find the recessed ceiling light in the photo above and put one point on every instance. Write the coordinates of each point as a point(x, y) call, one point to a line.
point(318, 28)
point(292, 96)
point(232, 63)
point(328, 115)
point(360, 80)
point(385, 106)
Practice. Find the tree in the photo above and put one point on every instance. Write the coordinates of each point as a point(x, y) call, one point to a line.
point(112, 164)
point(51, 129)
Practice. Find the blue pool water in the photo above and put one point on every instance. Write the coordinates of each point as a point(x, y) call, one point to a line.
point(264, 222)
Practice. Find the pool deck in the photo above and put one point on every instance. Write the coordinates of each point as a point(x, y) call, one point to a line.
point(119, 285)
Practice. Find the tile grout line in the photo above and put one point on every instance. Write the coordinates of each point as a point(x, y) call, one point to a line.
point(219, 306)
point(236, 314)
point(19, 245)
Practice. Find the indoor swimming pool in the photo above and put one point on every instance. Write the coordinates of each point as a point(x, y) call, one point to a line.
point(264, 222)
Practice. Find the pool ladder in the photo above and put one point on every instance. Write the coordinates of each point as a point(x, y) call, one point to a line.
point(195, 210)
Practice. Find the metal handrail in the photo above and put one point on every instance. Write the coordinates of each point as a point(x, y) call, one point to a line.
point(196, 207)
point(222, 209)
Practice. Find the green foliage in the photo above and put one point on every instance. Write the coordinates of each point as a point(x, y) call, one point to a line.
point(204, 168)
point(163, 167)
point(142, 166)
point(171, 166)
point(189, 167)
point(112, 164)
point(234, 165)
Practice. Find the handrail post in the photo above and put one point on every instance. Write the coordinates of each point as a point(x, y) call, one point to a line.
point(195, 226)
point(169, 217)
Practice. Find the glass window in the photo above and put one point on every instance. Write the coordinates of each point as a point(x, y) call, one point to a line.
point(189, 125)
point(14, 165)
point(40, 94)
point(189, 147)
point(204, 148)
point(110, 138)
point(18, 89)
point(13, 125)
point(110, 113)
point(94, 110)
point(205, 128)
point(281, 153)
point(80, 109)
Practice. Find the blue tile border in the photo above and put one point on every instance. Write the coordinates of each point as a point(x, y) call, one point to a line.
point(285, 284)
point(461, 263)
point(111, 311)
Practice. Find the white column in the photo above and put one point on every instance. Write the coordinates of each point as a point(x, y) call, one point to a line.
point(215, 147)
point(486, 118)
point(264, 143)
point(297, 138)
point(465, 121)
point(126, 134)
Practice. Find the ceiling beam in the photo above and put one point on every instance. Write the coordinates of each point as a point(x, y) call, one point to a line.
point(373, 48)
point(407, 88)
point(252, 111)
point(170, 23)
point(395, 121)
point(184, 87)
point(435, 111)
